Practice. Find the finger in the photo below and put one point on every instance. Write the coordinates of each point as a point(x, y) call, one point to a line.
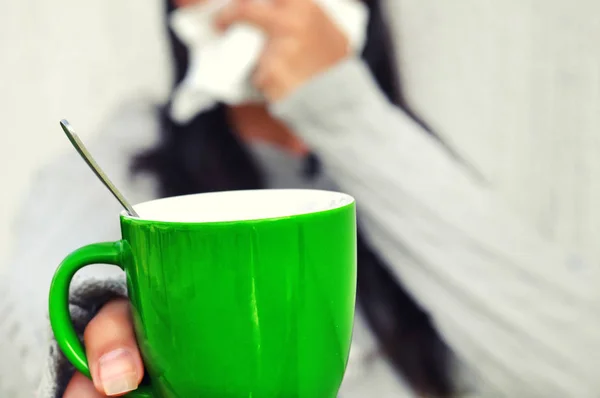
point(263, 72)
point(81, 387)
point(260, 14)
point(115, 362)
point(275, 60)
point(269, 76)
point(185, 3)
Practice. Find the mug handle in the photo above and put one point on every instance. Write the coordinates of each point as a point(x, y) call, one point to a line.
point(60, 317)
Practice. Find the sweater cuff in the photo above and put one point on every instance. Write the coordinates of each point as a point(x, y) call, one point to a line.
point(86, 299)
point(345, 87)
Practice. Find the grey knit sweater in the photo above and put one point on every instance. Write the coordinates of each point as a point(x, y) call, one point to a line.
point(521, 313)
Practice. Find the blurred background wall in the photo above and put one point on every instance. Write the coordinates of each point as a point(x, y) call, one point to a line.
point(514, 84)
point(69, 59)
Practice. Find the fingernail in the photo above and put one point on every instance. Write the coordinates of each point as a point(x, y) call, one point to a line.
point(118, 373)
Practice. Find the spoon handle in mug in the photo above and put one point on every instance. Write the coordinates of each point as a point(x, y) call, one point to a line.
point(88, 158)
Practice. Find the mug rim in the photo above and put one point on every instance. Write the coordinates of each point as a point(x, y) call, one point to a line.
point(337, 202)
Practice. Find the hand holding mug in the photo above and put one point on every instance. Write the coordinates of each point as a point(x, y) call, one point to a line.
point(115, 362)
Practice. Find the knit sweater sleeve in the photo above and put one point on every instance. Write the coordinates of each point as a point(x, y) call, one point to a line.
point(65, 208)
point(520, 311)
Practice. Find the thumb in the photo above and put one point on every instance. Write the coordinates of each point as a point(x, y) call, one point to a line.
point(115, 362)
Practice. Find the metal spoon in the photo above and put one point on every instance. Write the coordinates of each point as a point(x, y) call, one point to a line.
point(83, 152)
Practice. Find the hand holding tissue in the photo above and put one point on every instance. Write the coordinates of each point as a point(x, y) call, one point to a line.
point(223, 63)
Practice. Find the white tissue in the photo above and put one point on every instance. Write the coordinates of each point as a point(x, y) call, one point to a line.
point(221, 63)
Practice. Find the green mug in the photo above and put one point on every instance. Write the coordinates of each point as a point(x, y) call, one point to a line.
point(233, 294)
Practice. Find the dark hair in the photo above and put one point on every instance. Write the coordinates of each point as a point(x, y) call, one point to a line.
point(205, 155)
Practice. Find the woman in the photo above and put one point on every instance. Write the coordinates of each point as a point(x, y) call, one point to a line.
point(489, 286)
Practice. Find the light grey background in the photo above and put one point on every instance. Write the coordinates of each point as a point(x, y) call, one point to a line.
point(68, 59)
